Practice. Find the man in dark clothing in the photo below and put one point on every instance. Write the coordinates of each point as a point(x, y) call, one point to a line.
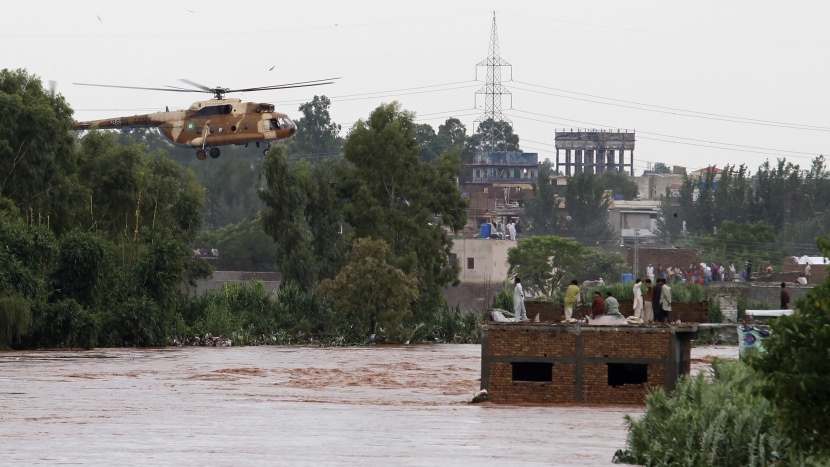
point(660, 316)
point(598, 307)
point(749, 271)
point(785, 297)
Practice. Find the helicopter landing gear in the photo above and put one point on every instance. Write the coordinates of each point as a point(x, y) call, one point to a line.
point(267, 147)
point(214, 152)
point(201, 154)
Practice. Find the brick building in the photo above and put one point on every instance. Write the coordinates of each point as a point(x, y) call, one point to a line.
point(546, 363)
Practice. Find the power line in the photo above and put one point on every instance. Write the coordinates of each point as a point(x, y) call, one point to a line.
point(709, 144)
point(676, 111)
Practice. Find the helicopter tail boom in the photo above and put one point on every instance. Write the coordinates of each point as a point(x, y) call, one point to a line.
point(148, 120)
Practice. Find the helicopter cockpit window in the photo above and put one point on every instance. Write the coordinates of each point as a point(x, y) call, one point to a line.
point(213, 110)
point(270, 124)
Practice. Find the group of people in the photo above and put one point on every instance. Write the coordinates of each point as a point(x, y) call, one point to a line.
point(655, 303)
point(651, 305)
point(510, 231)
point(702, 273)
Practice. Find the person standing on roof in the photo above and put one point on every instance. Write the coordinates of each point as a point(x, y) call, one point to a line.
point(519, 310)
point(638, 299)
point(572, 298)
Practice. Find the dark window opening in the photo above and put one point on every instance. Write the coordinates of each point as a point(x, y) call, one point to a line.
point(533, 371)
point(627, 373)
point(213, 110)
point(471, 263)
point(453, 258)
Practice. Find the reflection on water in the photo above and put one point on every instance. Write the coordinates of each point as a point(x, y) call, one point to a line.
point(282, 406)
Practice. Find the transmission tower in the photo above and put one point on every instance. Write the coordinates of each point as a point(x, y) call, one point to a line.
point(494, 136)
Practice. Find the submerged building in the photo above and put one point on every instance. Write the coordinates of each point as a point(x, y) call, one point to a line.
point(555, 363)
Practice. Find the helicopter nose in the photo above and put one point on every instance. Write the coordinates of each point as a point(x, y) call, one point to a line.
point(293, 130)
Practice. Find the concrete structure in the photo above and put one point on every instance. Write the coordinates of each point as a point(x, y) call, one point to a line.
point(653, 186)
point(270, 280)
point(543, 364)
point(626, 217)
point(594, 151)
point(499, 184)
point(482, 260)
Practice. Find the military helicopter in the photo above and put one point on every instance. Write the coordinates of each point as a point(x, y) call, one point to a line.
point(211, 123)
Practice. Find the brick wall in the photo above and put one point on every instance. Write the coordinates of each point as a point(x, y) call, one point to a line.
point(771, 293)
point(550, 312)
point(581, 361)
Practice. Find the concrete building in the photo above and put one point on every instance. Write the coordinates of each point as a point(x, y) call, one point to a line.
point(554, 363)
point(499, 184)
point(653, 186)
point(594, 151)
point(482, 260)
point(634, 218)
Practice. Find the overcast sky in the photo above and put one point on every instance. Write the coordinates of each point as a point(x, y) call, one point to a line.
point(701, 82)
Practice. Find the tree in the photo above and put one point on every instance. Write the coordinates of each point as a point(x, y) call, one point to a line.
point(587, 205)
point(619, 184)
point(317, 136)
point(660, 168)
point(429, 143)
point(302, 216)
point(542, 208)
point(544, 263)
point(370, 291)
point(736, 243)
point(285, 195)
point(454, 131)
point(391, 195)
point(35, 145)
point(505, 140)
point(796, 370)
point(596, 263)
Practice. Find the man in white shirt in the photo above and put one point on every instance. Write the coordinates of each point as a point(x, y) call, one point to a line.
point(519, 310)
point(650, 272)
point(638, 299)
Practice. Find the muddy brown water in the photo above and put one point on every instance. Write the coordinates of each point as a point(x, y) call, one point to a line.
point(285, 406)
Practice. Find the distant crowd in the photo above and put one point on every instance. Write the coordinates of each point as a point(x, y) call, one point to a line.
point(703, 273)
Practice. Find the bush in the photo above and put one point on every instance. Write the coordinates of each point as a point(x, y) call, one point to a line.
point(725, 422)
point(15, 318)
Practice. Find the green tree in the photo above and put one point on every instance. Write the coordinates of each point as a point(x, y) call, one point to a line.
point(317, 136)
point(391, 195)
point(542, 208)
point(371, 291)
point(505, 140)
point(35, 146)
point(660, 168)
point(544, 263)
point(619, 184)
point(303, 217)
point(796, 370)
point(286, 196)
point(587, 205)
point(242, 247)
point(736, 243)
point(595, 264)
point(454, 131)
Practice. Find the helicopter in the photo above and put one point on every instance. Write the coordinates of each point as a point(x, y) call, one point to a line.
point(206, 125)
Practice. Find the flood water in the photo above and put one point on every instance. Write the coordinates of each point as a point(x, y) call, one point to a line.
point(275, 405)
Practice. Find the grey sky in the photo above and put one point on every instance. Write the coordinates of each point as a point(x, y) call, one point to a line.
point(765, 61)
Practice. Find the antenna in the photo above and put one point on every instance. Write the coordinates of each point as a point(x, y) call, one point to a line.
point(493, 90)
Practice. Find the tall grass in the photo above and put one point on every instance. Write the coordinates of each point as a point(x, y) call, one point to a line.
point(723, 422)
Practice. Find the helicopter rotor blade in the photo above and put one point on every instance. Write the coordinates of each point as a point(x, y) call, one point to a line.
point(137, 87)
point(300, 84)
point(196, 85)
